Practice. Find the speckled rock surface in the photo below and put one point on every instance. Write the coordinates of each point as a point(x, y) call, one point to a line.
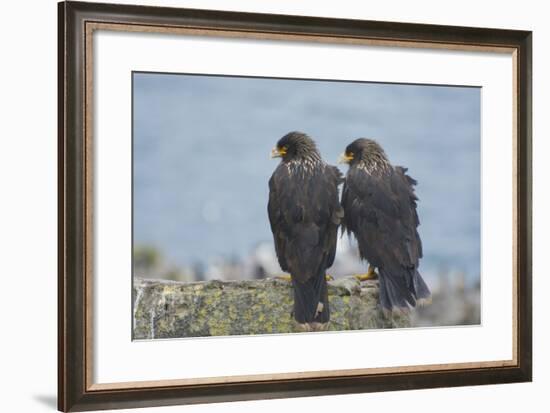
point(166, 309)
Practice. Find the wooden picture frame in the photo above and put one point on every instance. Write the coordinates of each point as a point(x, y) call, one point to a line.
point(77, 21)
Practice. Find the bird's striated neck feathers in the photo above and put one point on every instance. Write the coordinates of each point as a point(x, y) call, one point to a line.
point(374, 162)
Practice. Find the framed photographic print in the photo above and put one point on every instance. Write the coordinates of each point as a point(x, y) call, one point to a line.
point(262, 206)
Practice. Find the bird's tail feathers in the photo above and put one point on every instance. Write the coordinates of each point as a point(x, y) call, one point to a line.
point(398, 297)
point(311, 300)
point(422, 292)
point(393, 298)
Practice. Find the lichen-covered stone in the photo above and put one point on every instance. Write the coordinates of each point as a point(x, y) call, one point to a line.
point(166, 309)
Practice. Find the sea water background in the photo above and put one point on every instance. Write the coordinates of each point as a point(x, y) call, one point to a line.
point(201, 148)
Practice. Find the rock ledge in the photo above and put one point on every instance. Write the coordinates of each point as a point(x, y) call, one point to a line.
point(167, 309)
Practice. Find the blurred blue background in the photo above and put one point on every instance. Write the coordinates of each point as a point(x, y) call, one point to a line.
point(201, 147)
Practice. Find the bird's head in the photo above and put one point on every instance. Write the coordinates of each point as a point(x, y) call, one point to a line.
point(295, 145)
point(367, 151)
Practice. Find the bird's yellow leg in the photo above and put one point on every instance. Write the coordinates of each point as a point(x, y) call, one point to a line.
point(370, 275)
point(329, 277)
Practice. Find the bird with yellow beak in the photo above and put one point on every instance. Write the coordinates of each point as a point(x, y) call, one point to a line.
point(305, 213)
point(380, 208)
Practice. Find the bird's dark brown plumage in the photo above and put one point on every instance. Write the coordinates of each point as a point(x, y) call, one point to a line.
point(380, 210)
point(304, 213)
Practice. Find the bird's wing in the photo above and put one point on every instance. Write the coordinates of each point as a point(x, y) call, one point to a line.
point(403, 186)
point(304, 213)
point(381, 212)
point(277, 222)
point(333, 180)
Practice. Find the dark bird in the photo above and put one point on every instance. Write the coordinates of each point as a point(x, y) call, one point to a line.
point(380, 210)
point(305, 213)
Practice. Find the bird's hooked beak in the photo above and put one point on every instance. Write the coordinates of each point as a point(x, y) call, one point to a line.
point(345, 158)
point(278, 152)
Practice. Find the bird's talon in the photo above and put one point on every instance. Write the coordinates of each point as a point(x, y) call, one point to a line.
point(370, 275)
point(285, 277)
point(329, 277)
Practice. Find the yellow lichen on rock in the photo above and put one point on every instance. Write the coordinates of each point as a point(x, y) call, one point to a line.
point(167, 309)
